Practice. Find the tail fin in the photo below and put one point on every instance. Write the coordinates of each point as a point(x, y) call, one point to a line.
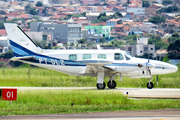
point(20, 42)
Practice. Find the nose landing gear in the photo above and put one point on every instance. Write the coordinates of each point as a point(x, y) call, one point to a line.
point(150, 85)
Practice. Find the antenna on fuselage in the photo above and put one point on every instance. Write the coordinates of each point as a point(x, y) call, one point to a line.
point(98, 47)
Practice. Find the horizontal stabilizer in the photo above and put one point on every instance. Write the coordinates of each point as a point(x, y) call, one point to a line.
point(22, 58)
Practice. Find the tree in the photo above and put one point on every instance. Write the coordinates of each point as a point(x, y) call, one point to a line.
point(117, 43)
point(128, 2)
point(174, 50)
point(54, 9)
point(81, 41)
point(102, 40)
point(27, 7)
point(145, 3)
point(169, 9)
point(7, 55)
point(166, 59)
point(101, 15)
point(134, 37)
point(83, 14)
point(161, 45)
point(2, 12)
point(174, 37)
point(2, 25)
point(167, 2)
point(157, 19)
point(106, 4)
point(68, 16)
point(39, 4)
point(176, 34)
point(44, 11)
point(32, 11)
point(117, 15)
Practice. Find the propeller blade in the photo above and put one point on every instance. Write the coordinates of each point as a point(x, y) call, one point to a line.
point(149, 72)
point(157, 79)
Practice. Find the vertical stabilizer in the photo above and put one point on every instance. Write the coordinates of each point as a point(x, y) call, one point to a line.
point(20, 42)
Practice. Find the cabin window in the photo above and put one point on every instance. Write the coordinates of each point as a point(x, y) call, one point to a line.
point(86, 56)
point(118, 56)
point(101, 56)
point(73, 57)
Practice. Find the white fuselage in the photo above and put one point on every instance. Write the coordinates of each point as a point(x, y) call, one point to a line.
point(67, 61)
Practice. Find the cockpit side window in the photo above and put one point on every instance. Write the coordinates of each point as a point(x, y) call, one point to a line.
point(118, 56)
point(127, 58)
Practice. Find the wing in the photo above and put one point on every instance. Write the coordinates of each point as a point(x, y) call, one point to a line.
point(93, 66)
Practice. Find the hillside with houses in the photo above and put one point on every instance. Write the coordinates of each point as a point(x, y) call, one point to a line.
point(139, 27)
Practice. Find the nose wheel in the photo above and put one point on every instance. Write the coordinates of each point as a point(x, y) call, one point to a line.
point(150, 85)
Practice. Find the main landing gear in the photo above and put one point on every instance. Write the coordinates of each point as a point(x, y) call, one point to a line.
point(111, 84)
point(150, 85)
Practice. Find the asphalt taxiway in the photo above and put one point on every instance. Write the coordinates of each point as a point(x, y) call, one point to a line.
point(166, 114)
point(156, 93)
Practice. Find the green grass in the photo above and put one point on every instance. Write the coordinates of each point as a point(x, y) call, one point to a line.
point(39, 77)
point(59, 102)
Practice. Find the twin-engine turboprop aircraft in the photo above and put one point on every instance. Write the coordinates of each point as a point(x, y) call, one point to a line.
point(98, 63)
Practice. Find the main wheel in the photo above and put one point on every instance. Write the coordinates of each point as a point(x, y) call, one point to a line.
point(101, 86)
point(111, 84)
point(150, 86)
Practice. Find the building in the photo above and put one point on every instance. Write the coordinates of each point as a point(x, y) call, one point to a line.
point(150, 11)
point(141, 48)
point(89, 2)
point(171, 26)
point(136, 11)
point(93, 16)
point(113, 22)
point(103, 31)
point(4, 43)
point(145, 27)
point(61, 33)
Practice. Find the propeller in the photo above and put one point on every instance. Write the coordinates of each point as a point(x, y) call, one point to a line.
point(148, 66)
point(157, 79)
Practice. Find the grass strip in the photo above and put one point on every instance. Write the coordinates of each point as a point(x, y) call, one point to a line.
point(39, 77)
point(59, 102)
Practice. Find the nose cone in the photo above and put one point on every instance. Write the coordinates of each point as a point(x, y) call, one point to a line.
point(175, 68)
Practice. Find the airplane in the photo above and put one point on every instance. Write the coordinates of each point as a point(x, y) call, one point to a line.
point(100, 63)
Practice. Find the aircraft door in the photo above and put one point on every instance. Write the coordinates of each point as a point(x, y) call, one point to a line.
point(119, 58)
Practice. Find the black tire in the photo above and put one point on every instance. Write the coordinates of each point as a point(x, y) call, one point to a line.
point(111, 85)
point(150, 86)
point(101, 86)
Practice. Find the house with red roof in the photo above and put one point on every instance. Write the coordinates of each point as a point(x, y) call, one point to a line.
point(25, 16)
point(3, 32)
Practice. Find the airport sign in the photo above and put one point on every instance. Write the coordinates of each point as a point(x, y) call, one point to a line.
point(9, 94)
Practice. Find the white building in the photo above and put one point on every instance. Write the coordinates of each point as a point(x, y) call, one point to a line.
point(141, 48)
point(136, 11)
point(4, 43)
point(146, 27)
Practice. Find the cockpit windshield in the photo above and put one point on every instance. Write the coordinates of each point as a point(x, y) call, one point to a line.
point(128, 56)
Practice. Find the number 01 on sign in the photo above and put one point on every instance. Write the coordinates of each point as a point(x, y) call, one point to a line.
point(9, 94)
